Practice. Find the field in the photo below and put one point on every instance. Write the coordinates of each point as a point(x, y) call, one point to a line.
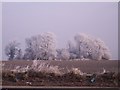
point(84, 66)
point(91, 74)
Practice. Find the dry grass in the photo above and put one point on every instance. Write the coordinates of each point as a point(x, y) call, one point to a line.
point(33, 78)
point(52, 73)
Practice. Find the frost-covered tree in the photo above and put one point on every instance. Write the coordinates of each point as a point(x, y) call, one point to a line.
point(104, 49)
point(63, 54)
point(89, 47)
point(19, 55)
point(48, 46)
point(31, 48)
point(13, 51)
point(72, 50)
point(41, 47)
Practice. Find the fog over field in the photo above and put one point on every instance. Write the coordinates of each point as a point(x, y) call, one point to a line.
point(23, 20)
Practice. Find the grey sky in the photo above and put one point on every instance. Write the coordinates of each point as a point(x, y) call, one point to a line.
point(22, 20)
point(1, 31)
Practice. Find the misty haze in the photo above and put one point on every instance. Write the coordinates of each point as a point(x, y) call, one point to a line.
point(65, 20)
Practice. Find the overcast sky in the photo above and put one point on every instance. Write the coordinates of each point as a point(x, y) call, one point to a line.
point(23, 20)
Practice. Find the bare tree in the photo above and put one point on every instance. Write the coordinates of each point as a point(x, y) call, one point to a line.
point(72, 50)
point(19, 55)
point(63, 54)
point(12, 50)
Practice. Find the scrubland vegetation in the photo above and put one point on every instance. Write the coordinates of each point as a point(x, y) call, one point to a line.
point(45, 74)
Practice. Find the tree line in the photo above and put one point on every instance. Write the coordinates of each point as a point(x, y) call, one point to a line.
point(43, 47)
